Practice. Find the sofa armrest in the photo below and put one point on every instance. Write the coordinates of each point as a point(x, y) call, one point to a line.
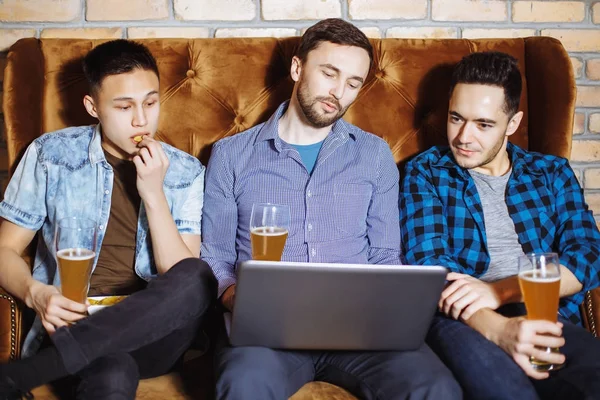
point(590, 311)
point(10, 328)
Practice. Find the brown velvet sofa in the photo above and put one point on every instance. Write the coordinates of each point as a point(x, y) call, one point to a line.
point(212, 88)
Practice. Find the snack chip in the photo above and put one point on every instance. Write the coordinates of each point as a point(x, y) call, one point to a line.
point(107, 301)
point(138, 138)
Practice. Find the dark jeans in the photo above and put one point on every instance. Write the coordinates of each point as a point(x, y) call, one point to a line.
point(485, 371)
point(141, 337)
point(261, 373)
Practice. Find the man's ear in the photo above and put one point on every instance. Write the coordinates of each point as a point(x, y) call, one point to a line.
point(90, 106)
point(296, 68)
point(514, 123)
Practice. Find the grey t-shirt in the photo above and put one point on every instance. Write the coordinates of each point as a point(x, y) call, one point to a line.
point(502, 240)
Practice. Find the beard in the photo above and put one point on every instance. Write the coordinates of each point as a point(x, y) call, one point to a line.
point(309, 105)
point(487, 157)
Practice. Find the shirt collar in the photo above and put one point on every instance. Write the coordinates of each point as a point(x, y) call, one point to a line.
point(341, 129)
point(95, 149)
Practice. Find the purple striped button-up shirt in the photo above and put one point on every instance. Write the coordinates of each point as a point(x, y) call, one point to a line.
point(346, 211)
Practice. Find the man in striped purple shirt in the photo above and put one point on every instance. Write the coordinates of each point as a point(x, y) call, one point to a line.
point(341, 184)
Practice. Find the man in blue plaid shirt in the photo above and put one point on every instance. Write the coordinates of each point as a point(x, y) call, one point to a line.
point(477, 205)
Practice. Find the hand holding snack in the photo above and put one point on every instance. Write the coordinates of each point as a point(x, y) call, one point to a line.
point(151, 164)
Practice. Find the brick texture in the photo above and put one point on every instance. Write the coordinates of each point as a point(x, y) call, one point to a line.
point(593, 201)
point(594, 123)
point(129, 10)
point(255, 32)
point(577, 67)
point(300, 9)
point(585, 151)
point(422, 33)
point(475, 33)
point(218, 10)
point(579, 124)
point(583, 40)
point(167, 32)
point(592, 178)
point(84, 33)
point(9, 36)
point(386, 9)
point(40, 10)
point(469, 10)
point(592, 69)
point(372, 32)
point(596, 13)
point(548, 11)
point(588, 96)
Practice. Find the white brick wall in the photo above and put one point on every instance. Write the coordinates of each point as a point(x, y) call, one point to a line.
point(575, 23)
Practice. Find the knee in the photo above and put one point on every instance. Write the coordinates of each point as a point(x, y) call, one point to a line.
point(195, 279)
point(247, 370)
point(110, 377)
point(443, 386)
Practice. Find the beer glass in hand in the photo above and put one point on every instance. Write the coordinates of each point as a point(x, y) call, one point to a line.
point(269, 226)
point(75, 253)
point(539, 279)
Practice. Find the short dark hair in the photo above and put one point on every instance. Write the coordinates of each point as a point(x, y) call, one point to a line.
point(116, 57)
point(336, 31)
point(491, 68)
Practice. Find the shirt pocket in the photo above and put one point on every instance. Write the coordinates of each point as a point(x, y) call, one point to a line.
point(351, 207)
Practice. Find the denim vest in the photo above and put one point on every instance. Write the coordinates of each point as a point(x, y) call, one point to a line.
point(65, 174)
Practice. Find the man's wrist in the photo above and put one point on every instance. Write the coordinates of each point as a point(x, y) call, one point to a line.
point(154, 201)
point(507, 290)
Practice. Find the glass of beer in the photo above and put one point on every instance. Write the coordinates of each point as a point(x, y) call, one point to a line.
point(75, 253)
point(539, 279)
point(269, 227)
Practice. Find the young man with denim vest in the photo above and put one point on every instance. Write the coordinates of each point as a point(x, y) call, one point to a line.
point(146, 199)
point(475, 207)
point(341, 184)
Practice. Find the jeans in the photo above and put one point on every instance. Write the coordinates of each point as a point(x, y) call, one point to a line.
point(485, 371)
point(261, 373)
point(141, 337)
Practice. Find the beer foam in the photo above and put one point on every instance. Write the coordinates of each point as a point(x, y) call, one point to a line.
point(75, 254)
point(265, 231)
point(534, 276)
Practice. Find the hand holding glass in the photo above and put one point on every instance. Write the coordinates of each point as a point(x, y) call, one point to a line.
point(269, 227)
point(75, 253)
point(539, 279)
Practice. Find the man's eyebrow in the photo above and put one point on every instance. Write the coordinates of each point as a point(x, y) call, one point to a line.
point(125, 98)
point(484, 120)
point(336, 69)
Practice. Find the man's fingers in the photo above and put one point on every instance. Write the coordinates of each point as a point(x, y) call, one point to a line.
point(449, 301)
point(48, 326)
point(453, 276)
point(460, 304)
point(61, 302)
point(548, 341)
point(453, 287)
point(547, 355)
point(472, 309)
point(547, 327)
point(523, 362)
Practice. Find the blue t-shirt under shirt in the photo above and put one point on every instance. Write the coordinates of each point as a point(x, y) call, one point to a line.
point(309, 154)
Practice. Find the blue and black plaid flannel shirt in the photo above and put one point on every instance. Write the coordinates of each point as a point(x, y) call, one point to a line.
point(442, 223)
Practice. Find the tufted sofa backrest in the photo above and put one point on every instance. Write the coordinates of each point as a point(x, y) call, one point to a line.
point(212, 88)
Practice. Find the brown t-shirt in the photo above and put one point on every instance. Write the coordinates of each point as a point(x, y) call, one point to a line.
point(115, 274)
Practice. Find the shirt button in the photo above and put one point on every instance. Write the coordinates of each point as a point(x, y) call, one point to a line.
point(106, 192)
point(310, 227)
point(101, 227)
point(313, 252)
point(309, 194)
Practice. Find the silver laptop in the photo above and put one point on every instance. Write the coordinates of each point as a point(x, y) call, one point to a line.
point(289, 305)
